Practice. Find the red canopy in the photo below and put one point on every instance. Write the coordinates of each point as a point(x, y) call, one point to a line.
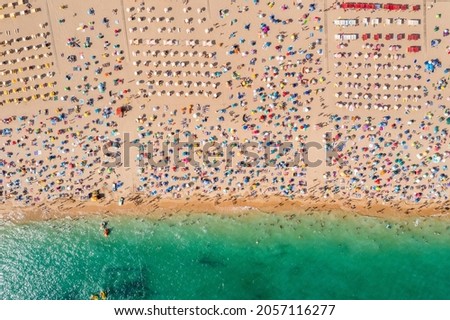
point(414, 49)
point(348, 5)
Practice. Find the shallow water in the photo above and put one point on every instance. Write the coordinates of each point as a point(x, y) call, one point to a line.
point(212, 257)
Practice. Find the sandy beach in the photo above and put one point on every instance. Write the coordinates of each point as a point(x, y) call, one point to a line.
point(153, 108)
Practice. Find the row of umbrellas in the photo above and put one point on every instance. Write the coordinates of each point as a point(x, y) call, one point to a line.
point(186, 84)
point(20, 13)
point(184, 93)
point(23, 69)
point(171, 42)
point(172, 53)
point(158, 63)
point(351, 106)
point(33, 57)
point(27, 38)
point(25, 48)
point(166, 9)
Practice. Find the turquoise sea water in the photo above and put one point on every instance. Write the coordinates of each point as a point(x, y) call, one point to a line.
point(212, 257)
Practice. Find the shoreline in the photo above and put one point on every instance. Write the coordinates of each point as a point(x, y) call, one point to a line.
point(159, 208)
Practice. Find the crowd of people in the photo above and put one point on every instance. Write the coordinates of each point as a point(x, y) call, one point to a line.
point(225, 99)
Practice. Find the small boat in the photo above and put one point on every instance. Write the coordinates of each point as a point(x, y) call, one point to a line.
point(106, 232)
point(121, 201)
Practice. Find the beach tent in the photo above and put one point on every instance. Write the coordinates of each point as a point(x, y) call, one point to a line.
point(375, 21)
point(413, 22)
point(346, 36)
point(414, 49)
point(346, 5)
